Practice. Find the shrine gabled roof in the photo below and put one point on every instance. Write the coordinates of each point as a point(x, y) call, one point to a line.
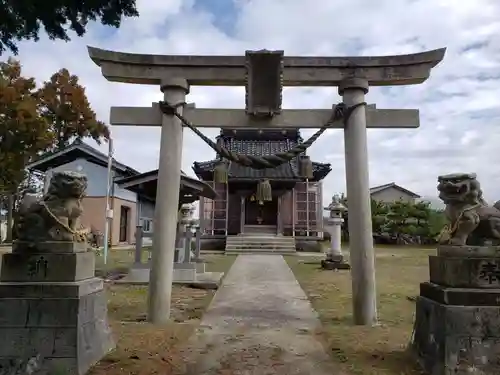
point(260, 143)
point(145, 184)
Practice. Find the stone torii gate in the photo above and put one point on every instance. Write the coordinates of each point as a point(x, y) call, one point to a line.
point(264, 73)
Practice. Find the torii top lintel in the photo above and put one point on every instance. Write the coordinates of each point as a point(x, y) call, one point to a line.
point(297, 71)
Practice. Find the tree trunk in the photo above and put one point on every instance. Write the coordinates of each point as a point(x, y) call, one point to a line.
point(10, 210)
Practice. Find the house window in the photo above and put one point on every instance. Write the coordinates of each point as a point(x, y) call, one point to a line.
point(147, 225)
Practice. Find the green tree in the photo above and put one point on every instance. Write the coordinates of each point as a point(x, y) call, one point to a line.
point(437, 220)
point(414, 219)
point(402, 218)
point(380, 211)
point(65, 107)
point(23, 19)
point(23, 132)
point(398, 218)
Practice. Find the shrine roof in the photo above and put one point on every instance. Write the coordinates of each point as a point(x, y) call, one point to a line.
point(244, 134)
point(145, 184)
point(260, 143)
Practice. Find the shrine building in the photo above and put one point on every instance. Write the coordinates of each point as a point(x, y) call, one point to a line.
point(281, 201)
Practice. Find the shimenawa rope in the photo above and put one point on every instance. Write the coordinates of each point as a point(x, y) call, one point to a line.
point(79, 235)
point(341, 111)
point(449, 230)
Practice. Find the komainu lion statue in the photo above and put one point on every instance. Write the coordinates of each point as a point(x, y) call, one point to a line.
point(55, 217)
point(471, 220)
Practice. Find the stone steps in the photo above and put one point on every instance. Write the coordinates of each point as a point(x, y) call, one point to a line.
point(260, 244)
point(257, 230)
point(260, 239)
point(260, 251)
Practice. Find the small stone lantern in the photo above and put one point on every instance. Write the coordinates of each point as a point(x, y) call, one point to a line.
point(334, 257)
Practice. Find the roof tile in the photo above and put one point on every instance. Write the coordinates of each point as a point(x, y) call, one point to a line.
point(256, 144)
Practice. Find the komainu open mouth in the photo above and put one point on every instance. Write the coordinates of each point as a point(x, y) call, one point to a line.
point(454, 189)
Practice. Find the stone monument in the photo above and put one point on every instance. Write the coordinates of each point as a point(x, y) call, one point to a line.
point(52, 307)
point(334, 257)
point(457, 322)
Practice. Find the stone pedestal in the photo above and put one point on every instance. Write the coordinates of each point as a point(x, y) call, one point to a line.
point(457, 321)
point(52, 306)
point(335, 264)
point(183, 273)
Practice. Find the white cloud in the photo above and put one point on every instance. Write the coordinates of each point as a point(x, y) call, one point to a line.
point(460, 112)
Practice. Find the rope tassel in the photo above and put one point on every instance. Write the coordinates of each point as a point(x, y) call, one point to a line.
point(264, 192)
point(221, 172)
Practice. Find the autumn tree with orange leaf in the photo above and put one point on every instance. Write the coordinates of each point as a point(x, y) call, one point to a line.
point(36, 121)
point(23, 132)
point(66, 109)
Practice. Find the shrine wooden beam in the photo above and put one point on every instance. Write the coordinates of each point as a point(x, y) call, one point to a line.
point(297, 71)
point(237, 118)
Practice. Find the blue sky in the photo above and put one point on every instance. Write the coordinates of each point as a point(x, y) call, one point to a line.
point(459, 104)
point(224, 12)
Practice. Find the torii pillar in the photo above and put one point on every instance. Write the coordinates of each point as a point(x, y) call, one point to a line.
point(167, 200)
point(352, 75)
point(361, 250)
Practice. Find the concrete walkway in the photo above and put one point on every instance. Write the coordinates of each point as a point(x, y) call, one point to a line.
point(260, 322)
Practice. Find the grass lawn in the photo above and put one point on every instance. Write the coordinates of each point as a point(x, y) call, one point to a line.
point(118, 261)
point(368, 350)
point(143, 348)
